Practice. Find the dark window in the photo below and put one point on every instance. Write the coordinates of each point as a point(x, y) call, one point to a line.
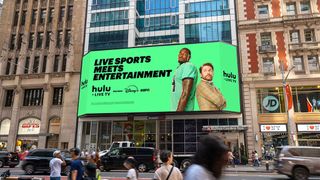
point(16, 18)
point(19, 43)
point(56, 63)
point(51, 15)
point(44, 64)
point(9, 98)
point(57, 96)
point(33, 97)
point(36, 64)
point(43, 16)
point(13, 39)
point(68, 38)
point(108, 40)
point(26, 65)
point(64, 63)
point(39, 39)
point(70, 13)
point(15, 66)
point(8, 66)
point(34, 16)
point(62, 11)
point(23, 18)
point(31, 39)
point(48, 39)
point(59, 39)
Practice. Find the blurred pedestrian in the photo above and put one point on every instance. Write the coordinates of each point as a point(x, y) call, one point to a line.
point(77, 168)
point(256, 159)
point(130, 164)
point(55, 166)
point(90, 168)
point(209, 160)
point(167, 171)
point(230, 158)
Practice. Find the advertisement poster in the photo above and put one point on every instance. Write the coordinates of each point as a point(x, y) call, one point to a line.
point(160, 79)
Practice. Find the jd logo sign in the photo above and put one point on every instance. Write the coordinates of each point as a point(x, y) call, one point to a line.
point(270, 103)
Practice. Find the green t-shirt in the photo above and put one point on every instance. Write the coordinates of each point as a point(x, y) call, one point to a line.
point(185, 70)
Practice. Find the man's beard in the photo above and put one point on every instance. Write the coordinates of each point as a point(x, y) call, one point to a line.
point(181, 61)
point(207, 79)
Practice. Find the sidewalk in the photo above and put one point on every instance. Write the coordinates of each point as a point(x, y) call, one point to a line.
point(250, 168)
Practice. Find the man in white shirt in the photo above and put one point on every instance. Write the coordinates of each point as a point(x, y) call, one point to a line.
point(55, 166)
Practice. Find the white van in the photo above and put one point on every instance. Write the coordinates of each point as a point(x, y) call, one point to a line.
point(117, 144)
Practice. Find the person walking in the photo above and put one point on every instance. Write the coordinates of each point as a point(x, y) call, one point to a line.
point(256, 159)
point(55, 165)
point(77, 168)
point(91, 168)
point(209, 160)
point(167, 171)
point(130, 164)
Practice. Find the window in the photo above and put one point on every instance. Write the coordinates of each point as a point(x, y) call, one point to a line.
point(298, 63)
point(266, 39)
point(33, 97)
point(9, 98)
point(305, 7)
point(31, 40)
point(57, 96)
point(48, 39)
point(16, 18)
point(68, 38)
point(70, 13)
point(309, 35)
point(34, 16)
point(56, 63)
point(8, 66)
point(59, 39)
point(62, 11)
point(291, 8)
point(263, 11)
point(26, 65)
point(313, 62)
point(13, 39)
point(19, 43)
point(44, 64)
point(15, 66)
point(51, 15)
point(64, 63)
point(43, 16)
point(36, 64)
point(23, 18)
point(294, 36)
point(39, 39)
point(268, 66)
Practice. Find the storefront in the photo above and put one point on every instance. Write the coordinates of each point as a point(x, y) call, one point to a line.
point(28, 134)
point(308, 134)
point(4, 132)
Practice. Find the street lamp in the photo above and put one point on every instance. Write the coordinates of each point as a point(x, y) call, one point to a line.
point(291, 125)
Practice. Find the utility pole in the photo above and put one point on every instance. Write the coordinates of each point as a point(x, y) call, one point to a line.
point(290, 123)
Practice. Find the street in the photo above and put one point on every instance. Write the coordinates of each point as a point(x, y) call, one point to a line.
point(121, 174)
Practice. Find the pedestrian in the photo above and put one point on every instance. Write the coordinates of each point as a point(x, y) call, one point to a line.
point(230, 157)
point(130, 164)
point(90, 168)
point(167, 171)
point(55, 165)
point(77, 168)
point(209, 160)
point(256, 159)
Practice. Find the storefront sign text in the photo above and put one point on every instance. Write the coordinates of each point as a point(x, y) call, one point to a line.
point(309, 127)
point(273, 128)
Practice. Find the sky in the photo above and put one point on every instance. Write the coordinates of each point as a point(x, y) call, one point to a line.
point(1, 1)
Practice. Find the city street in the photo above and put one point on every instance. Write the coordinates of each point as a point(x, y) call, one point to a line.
point(121, 174)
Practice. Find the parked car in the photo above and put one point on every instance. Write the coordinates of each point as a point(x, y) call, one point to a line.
point(39, 159)
point(144, 156)
point(117, 144)
point(10, 159)
point(298, 162)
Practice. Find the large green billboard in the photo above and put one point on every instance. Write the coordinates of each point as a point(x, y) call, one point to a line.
point(185, 77)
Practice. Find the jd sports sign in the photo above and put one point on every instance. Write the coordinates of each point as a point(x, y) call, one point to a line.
point(270, 103)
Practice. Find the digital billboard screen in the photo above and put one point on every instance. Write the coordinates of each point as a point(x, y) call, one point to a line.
point(173, 78)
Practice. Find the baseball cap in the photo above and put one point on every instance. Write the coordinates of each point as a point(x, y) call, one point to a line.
point(75, 150)
point(56, 152)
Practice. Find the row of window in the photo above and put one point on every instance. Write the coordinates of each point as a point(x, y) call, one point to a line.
point(305, 99)
point(107, 4)
point(62, 38)
point(37, 65)
point(291, 9)
point(157, 40)
point(207, 9)
point(149, 7)
point(158, 23)
point(109, 18)
point(34, 97)
point(43, 16)
point(298, 62)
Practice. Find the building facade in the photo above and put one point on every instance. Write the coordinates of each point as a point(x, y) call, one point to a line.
point(42, 47)
point(278, 38)
point(125, 24)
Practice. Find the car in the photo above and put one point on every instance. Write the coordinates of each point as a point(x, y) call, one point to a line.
point(298, 162)
point(144, 156)
point(10, 159)
point(117, 144)
point(39, 159)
